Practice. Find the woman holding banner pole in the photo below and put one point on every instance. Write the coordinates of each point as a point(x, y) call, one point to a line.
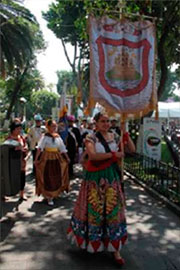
point(98, 221)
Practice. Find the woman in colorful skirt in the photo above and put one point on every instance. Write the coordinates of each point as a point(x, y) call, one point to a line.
point(98, 221)
point(51, 163)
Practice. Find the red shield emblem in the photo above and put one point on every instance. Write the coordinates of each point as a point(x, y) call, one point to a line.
point(122, 77)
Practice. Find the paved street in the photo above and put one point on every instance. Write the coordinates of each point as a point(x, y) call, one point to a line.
point(33, 234)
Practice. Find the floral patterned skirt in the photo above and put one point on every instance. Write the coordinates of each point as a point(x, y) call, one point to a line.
point(98, 221)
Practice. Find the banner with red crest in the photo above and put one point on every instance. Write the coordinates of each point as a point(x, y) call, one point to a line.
point(122, 67)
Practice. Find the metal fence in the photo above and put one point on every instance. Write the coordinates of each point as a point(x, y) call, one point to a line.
point(160, 176)
point(174, 146)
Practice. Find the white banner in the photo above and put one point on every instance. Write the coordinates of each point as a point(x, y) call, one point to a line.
point(152, 138)
point(123, 64)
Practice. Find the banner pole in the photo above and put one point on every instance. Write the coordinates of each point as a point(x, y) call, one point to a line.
point(121, 5)
point(122, 147)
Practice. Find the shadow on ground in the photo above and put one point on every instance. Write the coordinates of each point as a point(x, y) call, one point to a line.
point(38, 232)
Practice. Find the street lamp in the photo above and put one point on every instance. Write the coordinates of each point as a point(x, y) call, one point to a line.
point(23, 102)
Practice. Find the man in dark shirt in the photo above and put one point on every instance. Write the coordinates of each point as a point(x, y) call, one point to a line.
point(74, 141)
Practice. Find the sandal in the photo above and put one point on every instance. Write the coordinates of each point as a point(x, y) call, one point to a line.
point(119, 260)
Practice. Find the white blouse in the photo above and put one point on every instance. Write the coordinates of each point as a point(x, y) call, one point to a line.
point(47, 142)
point(112, 143)
point(100, 148)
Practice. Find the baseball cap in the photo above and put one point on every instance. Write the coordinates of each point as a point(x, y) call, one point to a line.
point(37, 117)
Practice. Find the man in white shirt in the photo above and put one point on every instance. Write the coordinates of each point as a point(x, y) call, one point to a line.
point(34, 136)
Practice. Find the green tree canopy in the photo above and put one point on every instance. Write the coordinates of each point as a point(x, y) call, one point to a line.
point(172, 83)
point(43, 101)
point(65, 77)
point(21, 39)
point(18, 31)
point(61, 18)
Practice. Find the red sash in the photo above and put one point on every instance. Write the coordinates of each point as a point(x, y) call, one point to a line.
point(98, 165)
point(94, 166)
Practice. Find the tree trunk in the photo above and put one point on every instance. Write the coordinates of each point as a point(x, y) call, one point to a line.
point(163, 65)
point(168, 24)
point(72, 65)
point(16, 91)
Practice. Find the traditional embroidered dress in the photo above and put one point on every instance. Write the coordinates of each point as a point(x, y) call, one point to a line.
point(98, 221)
point(52, 170)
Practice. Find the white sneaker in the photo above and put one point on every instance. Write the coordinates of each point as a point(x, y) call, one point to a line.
point(50, 202)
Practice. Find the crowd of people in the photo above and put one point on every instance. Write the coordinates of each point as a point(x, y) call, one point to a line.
point(98, 220)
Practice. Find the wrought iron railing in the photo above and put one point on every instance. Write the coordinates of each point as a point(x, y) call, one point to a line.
point(160, 176)
point(174, 146)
